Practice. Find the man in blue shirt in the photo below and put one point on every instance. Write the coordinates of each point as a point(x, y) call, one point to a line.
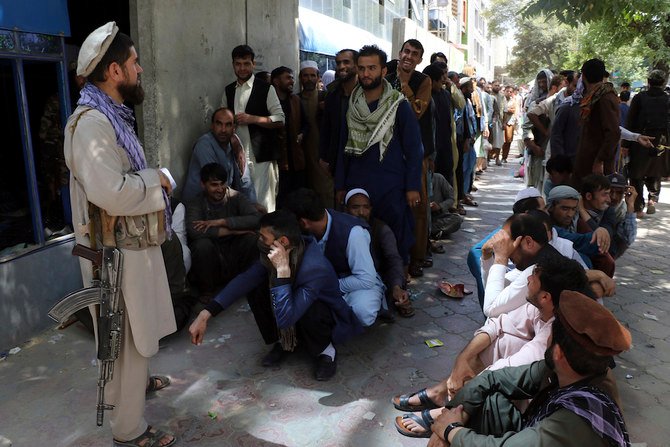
point(305, 305)
point(216, 146)
point(345, 241)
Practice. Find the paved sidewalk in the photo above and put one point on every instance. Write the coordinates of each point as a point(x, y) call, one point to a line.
point(221, 396)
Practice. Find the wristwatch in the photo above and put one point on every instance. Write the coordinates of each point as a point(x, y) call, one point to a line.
point(449, 428)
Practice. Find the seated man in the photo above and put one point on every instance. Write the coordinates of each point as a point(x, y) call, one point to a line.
point(345, 241)
point(562, 206)
point(517, 338)
point(525, 200)
point(624, 210)
point(219, 145)
point(443, 222)
point(305, 305)
point(221, 226)
point(522, 240)
point(575, 401)
point(384, 252)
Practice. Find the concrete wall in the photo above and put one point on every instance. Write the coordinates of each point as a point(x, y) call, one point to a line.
point(184, 48)
point(404, 29)
point(31, 284)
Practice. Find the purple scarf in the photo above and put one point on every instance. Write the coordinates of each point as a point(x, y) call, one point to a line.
point(123, 122)
point(591, 404)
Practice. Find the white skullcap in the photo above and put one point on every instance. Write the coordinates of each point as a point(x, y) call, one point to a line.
point(527, 194)
point(94, 48)
point(355, 191)
point(464, 80)
point(308, 64)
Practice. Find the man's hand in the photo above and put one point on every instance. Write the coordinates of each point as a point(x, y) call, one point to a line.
point(279, 257)
point(645, 141)
point(413, 198)
point(503, 246)
point(631, 195)
point(299, 138)
point(198, 327)
point(461, 373)
point(436, 441)
point(204, 225)
point(534, 148)
point(165, 182)
point(325, 166)
point(604, 282)
point(485, 133)
point(400, 296)
point(435, 207)
point(260, 208)
point(245, 118)
point(447, 417)
point(601, 237)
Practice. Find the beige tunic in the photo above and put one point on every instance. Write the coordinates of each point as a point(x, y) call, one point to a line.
point(100, 173)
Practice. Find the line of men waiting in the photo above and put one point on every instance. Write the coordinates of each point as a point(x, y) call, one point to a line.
point(253, 155)
point(538, 372)
point(321, 301)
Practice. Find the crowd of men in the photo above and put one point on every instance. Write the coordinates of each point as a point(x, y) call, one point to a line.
point(320, 206)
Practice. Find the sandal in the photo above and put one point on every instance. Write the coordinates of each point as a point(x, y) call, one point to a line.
point(405, 310)
point(157, 383)
point(468, 201)
point(150, 438)
point(425, 421)
point(437, 248)
point(452, 290)
point(402, 402)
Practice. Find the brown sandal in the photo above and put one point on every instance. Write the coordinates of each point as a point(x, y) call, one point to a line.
point(150, 438)
point(157, 383)
point(405, 310)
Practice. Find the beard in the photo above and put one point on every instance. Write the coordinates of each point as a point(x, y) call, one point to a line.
point(134, 94)
point(373, 85)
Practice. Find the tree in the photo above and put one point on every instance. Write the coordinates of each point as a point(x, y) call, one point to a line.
point(621, 22)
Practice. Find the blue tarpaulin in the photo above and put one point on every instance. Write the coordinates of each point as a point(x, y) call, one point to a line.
point(319, 33)
point(35, 16)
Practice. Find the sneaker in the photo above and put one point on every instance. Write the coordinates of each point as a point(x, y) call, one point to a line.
point(651, 209)
point(275, 356)
point(325, 368)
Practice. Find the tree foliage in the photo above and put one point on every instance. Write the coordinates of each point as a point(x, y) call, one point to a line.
point(562, 34)
point(620, 22)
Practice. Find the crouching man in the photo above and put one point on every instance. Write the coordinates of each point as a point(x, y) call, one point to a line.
point(305, 304)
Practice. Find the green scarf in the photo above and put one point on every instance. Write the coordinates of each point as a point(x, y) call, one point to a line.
point(368, 128)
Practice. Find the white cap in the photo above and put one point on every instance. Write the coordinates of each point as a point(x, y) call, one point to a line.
point(169, 176)
point(527, 194)
point(308, 64)
point(355, 191)
point(94, 48)
point(464, 80)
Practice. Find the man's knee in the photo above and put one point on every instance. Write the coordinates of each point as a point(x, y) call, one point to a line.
point(366, 304)
point(203, 248)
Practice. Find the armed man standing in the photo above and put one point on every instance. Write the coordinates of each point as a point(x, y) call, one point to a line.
point(109, 176)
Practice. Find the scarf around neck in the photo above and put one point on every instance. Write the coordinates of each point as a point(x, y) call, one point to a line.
point(592, 97)
point(367, 128)
point(592, 405)
point(123, 122)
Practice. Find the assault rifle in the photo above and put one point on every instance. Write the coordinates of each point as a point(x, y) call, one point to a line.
point(105, 293)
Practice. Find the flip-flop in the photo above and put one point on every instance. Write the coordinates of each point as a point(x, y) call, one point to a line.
point(425, 421)
point(452, 290)
point(402, 402)
point(157, 383)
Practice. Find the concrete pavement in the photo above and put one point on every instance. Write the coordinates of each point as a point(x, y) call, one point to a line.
point(221, 396)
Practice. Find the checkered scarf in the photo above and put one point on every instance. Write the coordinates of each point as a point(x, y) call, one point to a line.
point(123, 122)
point(591, 404)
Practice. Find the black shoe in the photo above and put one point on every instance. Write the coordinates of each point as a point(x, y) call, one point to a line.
point(415, 270)
point(325, 368)
point(385, 316)
point(274, 357)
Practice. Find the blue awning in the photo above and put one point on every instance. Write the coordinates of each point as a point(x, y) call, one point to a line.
point(319, 33)
point(35, 16)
